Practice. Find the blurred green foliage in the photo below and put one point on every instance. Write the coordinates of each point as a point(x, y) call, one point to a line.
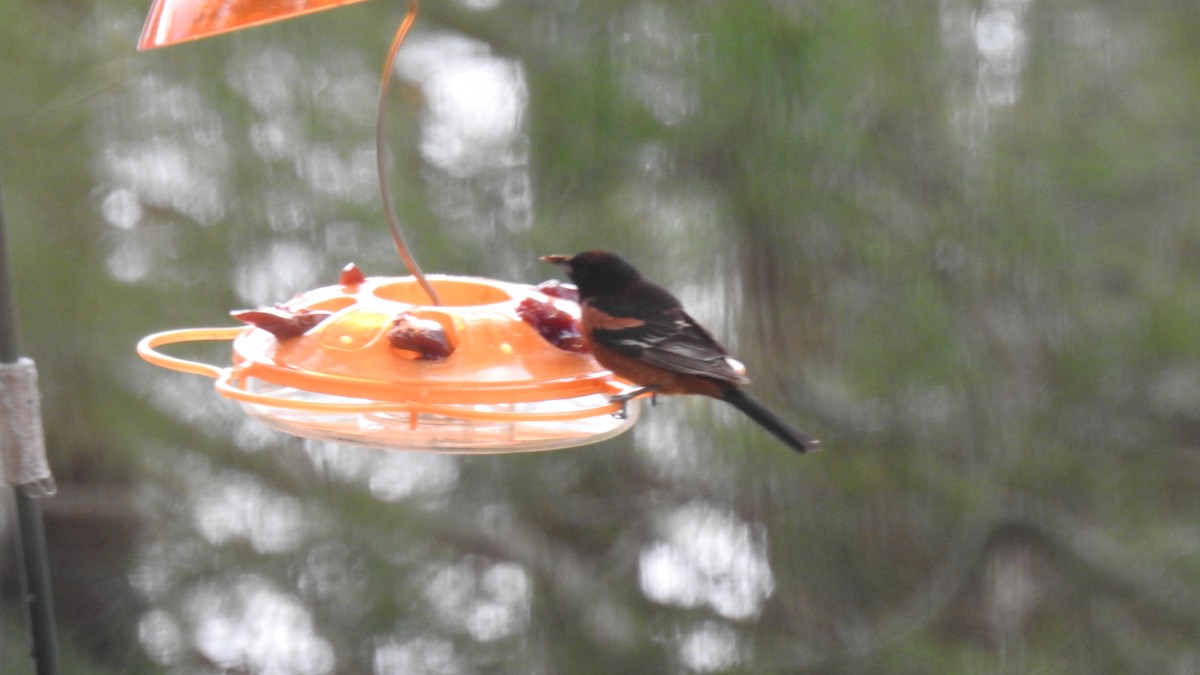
point(958, 240)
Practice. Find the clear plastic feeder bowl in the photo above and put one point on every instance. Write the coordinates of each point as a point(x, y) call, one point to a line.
point(502, 389)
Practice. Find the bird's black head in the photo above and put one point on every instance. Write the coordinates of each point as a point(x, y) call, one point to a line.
point(596, 272)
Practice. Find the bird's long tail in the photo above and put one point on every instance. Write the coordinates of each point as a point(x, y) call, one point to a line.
point(796, 439)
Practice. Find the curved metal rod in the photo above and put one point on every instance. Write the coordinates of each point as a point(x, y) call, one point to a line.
point(389, 210)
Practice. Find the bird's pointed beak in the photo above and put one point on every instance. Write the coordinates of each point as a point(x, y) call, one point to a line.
point(563, 261)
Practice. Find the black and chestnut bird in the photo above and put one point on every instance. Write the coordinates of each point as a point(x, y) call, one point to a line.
point(641, 332)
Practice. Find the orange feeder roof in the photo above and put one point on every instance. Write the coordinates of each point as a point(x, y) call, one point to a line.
point(503, 388)
point(174, 21)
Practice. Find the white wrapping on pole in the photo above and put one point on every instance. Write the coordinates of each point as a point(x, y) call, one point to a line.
point(22, 443)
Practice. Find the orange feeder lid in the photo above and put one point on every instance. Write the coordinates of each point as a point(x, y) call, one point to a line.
point(503, 388)
point(174, 21)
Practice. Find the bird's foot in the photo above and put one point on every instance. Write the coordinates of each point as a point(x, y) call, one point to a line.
point(628, 395)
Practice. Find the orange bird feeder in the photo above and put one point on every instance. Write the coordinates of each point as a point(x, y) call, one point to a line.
point(502, 388)
point(434, 363)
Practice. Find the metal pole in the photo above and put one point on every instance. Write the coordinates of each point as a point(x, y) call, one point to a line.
point(31, 534)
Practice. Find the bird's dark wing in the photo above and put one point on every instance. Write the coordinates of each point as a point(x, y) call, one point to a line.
point(663, 336)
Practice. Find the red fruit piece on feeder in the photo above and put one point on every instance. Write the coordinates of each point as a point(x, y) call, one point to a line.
point(281, 322)
point(426, 337)
point(557, 327)
point(351, 275)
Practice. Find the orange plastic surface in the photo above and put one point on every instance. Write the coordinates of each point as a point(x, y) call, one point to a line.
point(497, 357)
point(173, 21)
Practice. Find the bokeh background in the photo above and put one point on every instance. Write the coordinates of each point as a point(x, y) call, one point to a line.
point(959, 240)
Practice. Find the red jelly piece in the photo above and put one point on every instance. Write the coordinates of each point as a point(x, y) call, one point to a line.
point(351, 275)
point(280, 322)
point(557, 327)
point(423, 336)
